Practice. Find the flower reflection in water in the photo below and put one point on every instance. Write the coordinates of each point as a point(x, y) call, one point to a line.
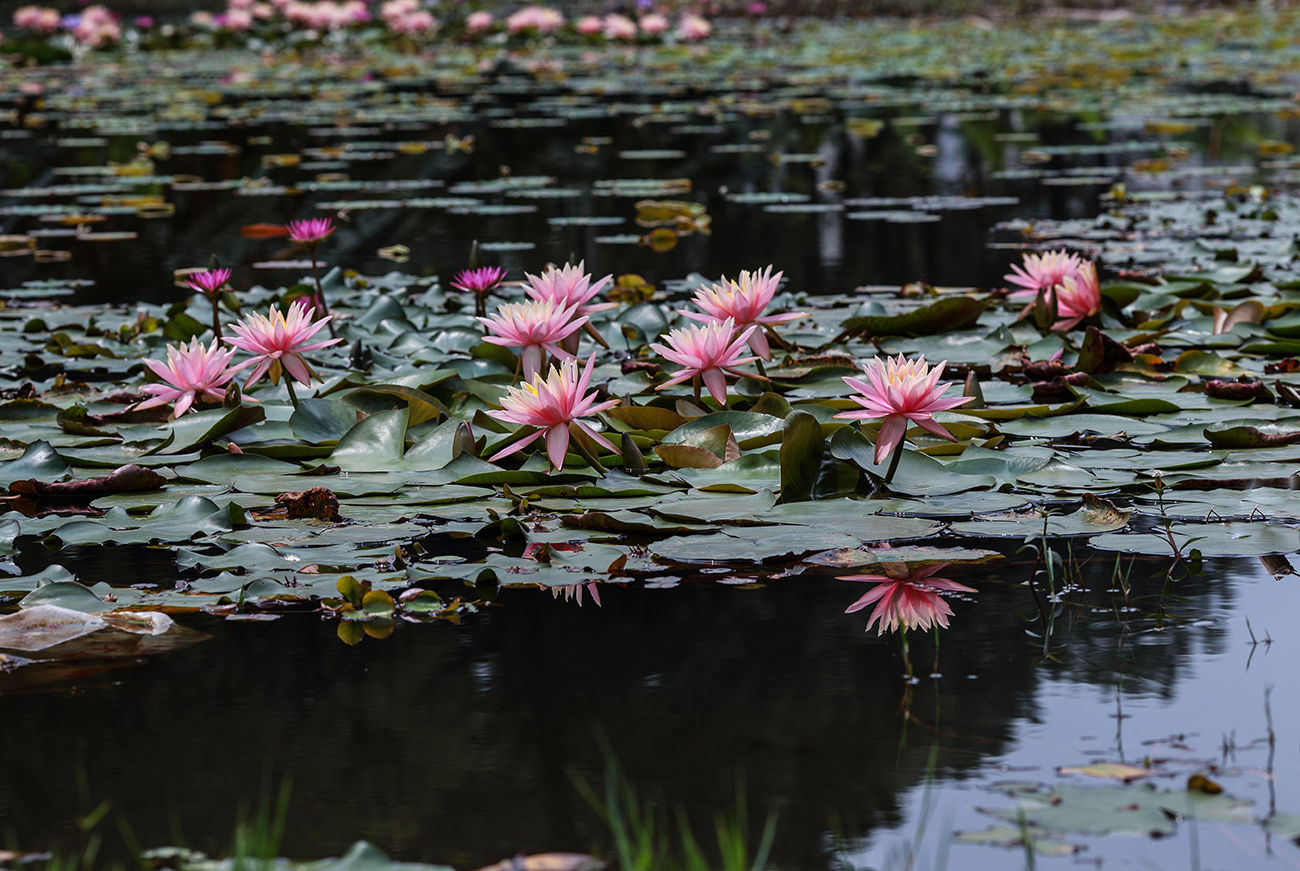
point(908, 599)
point(543, 551)
point(574, 591)
point(913, 601)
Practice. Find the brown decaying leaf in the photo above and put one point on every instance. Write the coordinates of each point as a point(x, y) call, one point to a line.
point(318, 503)
point(126, 479)
point(1237, 390)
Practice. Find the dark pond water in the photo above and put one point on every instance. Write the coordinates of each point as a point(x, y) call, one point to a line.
point(817, 174)
point(460, 743)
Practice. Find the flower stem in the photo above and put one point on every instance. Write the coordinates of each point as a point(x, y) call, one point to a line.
point(893, 463)
point(293, 396)
point(320, 297)
point(907, 659)
point(216, 318)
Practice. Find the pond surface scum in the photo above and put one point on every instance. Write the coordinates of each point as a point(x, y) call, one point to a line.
point(439, 600)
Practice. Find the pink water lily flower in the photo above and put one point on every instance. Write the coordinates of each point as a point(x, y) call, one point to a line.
point(900, 391)
point(278, 342)
point(535, 327)
point(913, 601)
point(706, 353)
point(744, 300)
point(311, 233)
point(1043, 272)
point(571, 286)
point(1078, 297)
point(553, 404)
point(193, 373)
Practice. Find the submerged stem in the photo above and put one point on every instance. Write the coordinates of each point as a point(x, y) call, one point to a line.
point(320, 297)
point(216, 318)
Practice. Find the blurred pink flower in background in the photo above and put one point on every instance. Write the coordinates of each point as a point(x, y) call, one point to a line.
point(97, 27)
point(653, 24)
point(590, 25)
point(39, 20)
point(478, 22)
point(619, 27)
point(693, 27)
point(543, 19)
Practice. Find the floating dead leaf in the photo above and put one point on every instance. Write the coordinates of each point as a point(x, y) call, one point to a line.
point(318, 503)
point(13, 245)
point(548, 862)
point(1201, 783)
point(1109, 770)
point(395, 253)
point(660, 240)
point(126, 479)
point(263, 231)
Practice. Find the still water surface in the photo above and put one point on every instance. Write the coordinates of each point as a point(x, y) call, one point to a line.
point(458, 744)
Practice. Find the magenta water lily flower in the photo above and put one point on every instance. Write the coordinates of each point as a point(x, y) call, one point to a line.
point(278, 343)
point(706, 353)
point(311, 233)
point(192, 374)
point(535, 327)
point(553, 404)
point(912, 602)
point(901, 391)
point(479, 282)
point(209, 282)
point(744, 301)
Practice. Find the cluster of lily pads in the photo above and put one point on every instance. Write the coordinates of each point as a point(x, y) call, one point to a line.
point(418, 424)
point(1112, 411)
